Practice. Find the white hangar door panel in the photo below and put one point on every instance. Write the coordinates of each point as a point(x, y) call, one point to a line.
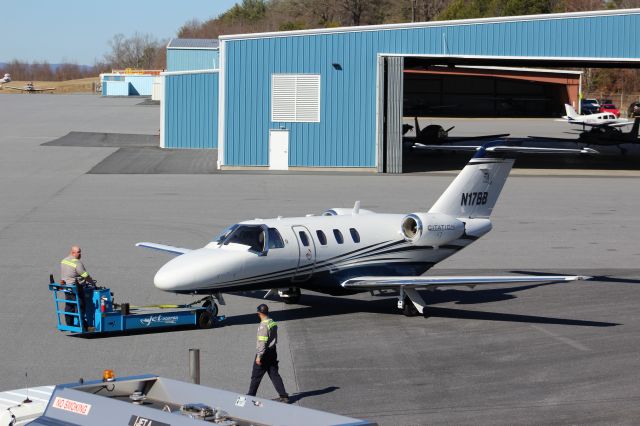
point(278, 150)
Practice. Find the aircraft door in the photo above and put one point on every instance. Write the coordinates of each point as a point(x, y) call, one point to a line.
point(306, 256)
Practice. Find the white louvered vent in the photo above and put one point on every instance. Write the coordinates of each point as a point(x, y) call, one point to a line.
point(295, 98)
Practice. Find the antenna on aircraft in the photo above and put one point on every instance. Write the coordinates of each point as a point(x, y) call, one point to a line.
point(356, 208)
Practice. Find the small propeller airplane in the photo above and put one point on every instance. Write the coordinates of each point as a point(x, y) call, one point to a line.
point(592, 119)
point(350, 250)
point(436, 134)
point(5, 79)
point(30, 88)
point(603, 134)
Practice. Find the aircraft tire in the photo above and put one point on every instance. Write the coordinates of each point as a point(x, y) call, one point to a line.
point(294, 296)
point(409, 310)
point(205, 319)
point(292, 299)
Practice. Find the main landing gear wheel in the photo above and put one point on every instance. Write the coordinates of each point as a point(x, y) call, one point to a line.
point(409, 309)
point(212, 307)
point(293, 296)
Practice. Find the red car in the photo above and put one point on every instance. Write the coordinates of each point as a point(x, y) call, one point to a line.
point(610, 108)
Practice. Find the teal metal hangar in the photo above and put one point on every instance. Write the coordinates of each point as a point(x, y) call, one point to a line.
point(333, 98)
point(188, 54)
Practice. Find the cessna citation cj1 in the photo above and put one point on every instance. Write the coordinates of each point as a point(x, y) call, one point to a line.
point(346, 251)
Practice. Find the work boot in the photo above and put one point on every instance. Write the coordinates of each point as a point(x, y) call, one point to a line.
point(283, 399)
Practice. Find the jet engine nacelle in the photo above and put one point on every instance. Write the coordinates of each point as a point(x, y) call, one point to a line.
point(338, 211)
point(431, 229)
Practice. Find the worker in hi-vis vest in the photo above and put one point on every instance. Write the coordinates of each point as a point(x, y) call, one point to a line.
point(72, 270)
point(266, 360)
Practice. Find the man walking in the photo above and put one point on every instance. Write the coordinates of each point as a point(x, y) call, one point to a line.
point(266, 360)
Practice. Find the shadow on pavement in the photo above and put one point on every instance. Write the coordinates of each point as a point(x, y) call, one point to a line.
point(301, 395)
point(318, 306)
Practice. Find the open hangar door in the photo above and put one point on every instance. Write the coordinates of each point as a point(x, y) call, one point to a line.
point(537, 97)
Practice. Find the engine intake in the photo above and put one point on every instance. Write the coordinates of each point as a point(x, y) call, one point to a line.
point(431, 229)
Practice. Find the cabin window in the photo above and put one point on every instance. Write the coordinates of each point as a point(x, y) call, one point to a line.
point(275, 239)
point(322, 237)
point(303, 238)
point(354, 235)
point(248, 235)
point(338, 235)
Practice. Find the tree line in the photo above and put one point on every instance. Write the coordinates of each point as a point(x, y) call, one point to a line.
point(146, 52)
point(141, 51)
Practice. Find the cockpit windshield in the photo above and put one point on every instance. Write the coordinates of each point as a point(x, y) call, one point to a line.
point(248, 235)
point(224, 234)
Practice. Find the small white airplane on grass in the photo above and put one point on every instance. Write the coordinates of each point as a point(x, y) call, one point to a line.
point(5, 79)
point(592, 119)
point(30, 88)
point(346, 251)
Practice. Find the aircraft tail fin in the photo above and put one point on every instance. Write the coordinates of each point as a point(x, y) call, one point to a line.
point(571, 112)
point(474, 192)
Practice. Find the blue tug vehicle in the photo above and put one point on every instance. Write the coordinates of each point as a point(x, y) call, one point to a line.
point(90, 309)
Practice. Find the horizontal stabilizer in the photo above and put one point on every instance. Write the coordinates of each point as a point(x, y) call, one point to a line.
point(165, 248)
point(375, 283)
point(507, 149)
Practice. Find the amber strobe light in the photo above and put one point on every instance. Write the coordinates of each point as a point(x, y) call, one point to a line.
point(108, 376)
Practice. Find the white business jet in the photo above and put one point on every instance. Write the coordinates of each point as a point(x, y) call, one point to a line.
point(592, 119)
point(346, 251)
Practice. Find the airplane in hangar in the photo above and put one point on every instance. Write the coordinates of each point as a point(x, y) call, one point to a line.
point(436, 134)
point(604, 134)
point(592, 119)
point(350, 250)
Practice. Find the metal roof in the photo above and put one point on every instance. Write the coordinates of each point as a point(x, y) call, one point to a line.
point(193, 43)
point(401, 26)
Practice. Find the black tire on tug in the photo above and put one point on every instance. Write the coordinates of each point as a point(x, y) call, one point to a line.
point(212, 307)
point(409, 310)
point(205, 319)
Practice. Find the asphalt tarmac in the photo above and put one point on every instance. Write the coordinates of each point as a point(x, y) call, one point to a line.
point(547, 354)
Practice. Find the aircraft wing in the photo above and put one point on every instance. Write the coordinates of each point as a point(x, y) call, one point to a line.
point(601, 123)
point(165, 248)
point(377, 283)
point(22, 89)
point(43, 90)
point(507, 149)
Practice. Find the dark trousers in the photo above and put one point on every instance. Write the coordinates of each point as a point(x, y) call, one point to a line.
point(270, 366)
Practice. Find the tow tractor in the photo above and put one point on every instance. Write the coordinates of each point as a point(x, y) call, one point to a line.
point(94, 311)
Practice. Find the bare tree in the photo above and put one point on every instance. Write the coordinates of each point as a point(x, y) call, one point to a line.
point(137, 51)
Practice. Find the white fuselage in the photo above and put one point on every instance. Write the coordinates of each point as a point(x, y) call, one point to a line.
point(316, 252)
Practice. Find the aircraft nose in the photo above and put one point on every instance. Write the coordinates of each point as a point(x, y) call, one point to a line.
point(194, 270)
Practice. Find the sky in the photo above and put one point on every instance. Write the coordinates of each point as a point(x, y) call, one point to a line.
point(78, 31)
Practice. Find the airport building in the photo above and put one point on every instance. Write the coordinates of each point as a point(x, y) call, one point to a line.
point(335, 98)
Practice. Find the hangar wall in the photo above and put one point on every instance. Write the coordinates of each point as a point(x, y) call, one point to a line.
point(189, 109)
point(184, 54)
point(346, 60)
point(114, 84)
point(186, 60)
